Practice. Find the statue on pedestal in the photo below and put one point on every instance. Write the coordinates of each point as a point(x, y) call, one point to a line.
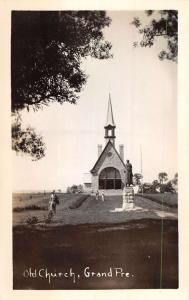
point(128, 192)
point(128, 174)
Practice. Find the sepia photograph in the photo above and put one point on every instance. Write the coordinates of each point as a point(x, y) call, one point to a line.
point(94, 149)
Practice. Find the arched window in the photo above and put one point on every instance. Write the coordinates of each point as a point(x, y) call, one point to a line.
point(109, 178)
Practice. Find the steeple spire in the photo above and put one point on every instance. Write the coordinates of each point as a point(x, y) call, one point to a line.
point(110, 125)
point(110, 118)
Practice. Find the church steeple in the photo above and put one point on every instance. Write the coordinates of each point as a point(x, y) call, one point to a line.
point(110, 125)
point(110, 118)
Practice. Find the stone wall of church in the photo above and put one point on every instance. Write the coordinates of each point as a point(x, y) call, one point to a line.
point(113, 162)
point(95, 186)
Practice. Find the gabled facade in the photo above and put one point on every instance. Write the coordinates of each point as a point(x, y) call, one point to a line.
point(108, 172)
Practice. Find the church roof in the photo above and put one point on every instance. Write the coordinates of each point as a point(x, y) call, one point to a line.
point(100, 157)
point(110, 118)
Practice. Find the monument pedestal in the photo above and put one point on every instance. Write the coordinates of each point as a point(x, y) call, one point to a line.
point(128, 198)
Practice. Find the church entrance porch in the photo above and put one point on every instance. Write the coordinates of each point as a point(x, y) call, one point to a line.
point(110, 179)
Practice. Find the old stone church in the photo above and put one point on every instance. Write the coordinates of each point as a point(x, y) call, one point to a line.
point(108, 173)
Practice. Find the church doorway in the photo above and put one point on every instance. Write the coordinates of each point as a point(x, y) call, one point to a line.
point(109, 179)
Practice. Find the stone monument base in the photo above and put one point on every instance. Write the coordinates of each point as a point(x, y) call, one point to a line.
point(128, 198)
point(128, 206)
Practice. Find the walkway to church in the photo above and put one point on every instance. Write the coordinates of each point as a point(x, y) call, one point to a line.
point(93, 211)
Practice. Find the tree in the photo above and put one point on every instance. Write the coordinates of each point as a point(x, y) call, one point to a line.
point(175, 182)
point(68, 190)
point(162, 23)
point(47, 49)
point(75, 189)
point(80, 188)
point(25, 140)
point(162, 177)
point(175, 179)
point(137, 178)
point(167, 187)
point(155, 185)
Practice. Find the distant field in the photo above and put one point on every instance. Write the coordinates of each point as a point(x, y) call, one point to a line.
point(41, 199)
point(23, 199)
point(28, 205)
point(168, 199)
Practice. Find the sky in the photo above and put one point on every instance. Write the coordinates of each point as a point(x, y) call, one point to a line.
point(144, 99)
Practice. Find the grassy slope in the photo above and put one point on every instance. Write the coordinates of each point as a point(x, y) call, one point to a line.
point(168, 199)
point(77, 209)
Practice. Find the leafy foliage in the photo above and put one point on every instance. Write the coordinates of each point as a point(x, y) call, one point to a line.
point(47, 51)
point(174, 182)
point(164, 24)
point(26, 141)
point(167, 187)
point(162, 176)
point(32, 220)
point(161, 186)
point(147, 188)
point(75, 189)
point(175, 179)
point(137, 178)
point(29, 207)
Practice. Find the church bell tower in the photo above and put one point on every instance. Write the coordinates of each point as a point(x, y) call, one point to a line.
point(110, 125)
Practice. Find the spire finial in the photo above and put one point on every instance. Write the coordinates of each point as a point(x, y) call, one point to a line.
point(110, 118)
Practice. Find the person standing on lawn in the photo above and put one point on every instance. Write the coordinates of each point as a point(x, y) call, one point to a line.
point(53, 202)
point(102, 196)
point(97, 195)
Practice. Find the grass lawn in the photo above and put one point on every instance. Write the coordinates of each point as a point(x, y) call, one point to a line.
point(26, 205)
point(86, 233)
point(83, 209)
point(168, 199)
point(26, 199)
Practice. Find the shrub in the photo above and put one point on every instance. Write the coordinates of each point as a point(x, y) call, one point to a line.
point(167, 188)
point(147, 188)
point(75, 189)
point(29, 207)
point(49, 217)
point(78, 202)
point(32, 220)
